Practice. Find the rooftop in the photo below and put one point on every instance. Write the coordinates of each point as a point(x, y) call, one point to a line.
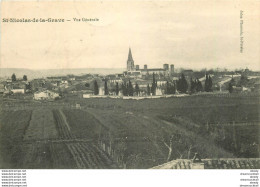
point(154, 69)
point(222, 163)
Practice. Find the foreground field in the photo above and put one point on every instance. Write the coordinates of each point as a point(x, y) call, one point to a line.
point(117, 133)
point(41, 138)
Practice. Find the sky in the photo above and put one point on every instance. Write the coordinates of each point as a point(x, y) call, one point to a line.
point(189, 34)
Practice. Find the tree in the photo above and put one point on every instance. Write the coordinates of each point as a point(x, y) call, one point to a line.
point(148, 90)
point(230, 87)
point(117, 88)
point(137, 90)
point(96, 91)
point(233, 82)
point(243, 81)
point(169, 146)
point(207, 83)
point(127, 91)
point(28, 86)
point(13, 77)
point(87, 85)
point(130, 89)
point(153, 88)
point(210, 84)
point(124, 89)
point(25, 77)
point(199, 87)
point(106, 88)
point(182, 84)
point(171, 89)
point(174, 139)
point(167, 88)
point(192, 86)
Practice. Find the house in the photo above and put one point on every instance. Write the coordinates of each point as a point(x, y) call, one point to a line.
point(161, 82)
point(88, 94)
point(45, 95)
point(17, 90)
point(37, 84)
point(115, 80)
point(245, 89)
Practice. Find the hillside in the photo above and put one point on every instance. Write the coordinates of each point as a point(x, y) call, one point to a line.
point(40, 73)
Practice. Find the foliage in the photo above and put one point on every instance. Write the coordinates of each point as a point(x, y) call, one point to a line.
point(243, 81)
point(230, 87)
point(87, 85)
point(148, 90)
point(192, 86)
point(199, 87)
point(182, 85)
point(25, 77)
point(208, 83)
point(106, 88)
point(13, 77)
point(137, 90)
point(170, 88)
point(117, 88)
point(130, 89)
point(124, 89)
point(96, 90)
point(154, 85)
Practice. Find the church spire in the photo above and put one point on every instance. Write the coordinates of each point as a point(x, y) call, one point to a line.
point(130, 58)
point(130, 61)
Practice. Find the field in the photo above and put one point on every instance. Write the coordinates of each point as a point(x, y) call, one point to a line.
point(117, 133)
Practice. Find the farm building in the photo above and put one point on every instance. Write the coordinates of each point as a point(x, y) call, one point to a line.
point(45, 95)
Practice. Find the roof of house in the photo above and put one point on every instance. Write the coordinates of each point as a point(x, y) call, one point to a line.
point(17, 87)
point(154, 69)
point(222, 163)
point(45, 91)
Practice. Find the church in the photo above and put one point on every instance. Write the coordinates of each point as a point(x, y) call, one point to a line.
point(135, 71)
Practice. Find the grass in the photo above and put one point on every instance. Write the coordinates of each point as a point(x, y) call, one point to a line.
point(13, 125)
point(138, 139)
point(42, 125)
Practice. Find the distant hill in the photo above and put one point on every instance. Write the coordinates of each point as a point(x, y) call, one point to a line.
point(31, 74)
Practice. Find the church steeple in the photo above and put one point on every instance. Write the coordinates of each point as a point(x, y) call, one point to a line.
point(130, 61)
point(130, 58)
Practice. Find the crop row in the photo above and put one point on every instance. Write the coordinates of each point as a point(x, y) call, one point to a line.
point(62, 125)
point(89, 156)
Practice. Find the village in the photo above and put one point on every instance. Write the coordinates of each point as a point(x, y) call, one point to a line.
point(134, 83)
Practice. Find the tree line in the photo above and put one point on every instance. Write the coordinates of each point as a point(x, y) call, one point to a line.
point(181, 85)
point(13, 77)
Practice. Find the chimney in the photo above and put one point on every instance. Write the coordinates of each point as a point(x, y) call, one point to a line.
point(145, 66)
point(137, 67)
point(197, 162)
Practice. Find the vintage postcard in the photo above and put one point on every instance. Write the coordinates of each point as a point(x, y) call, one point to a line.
point(130, 85)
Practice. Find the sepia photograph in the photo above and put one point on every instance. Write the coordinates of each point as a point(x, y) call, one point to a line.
point(130, 85)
